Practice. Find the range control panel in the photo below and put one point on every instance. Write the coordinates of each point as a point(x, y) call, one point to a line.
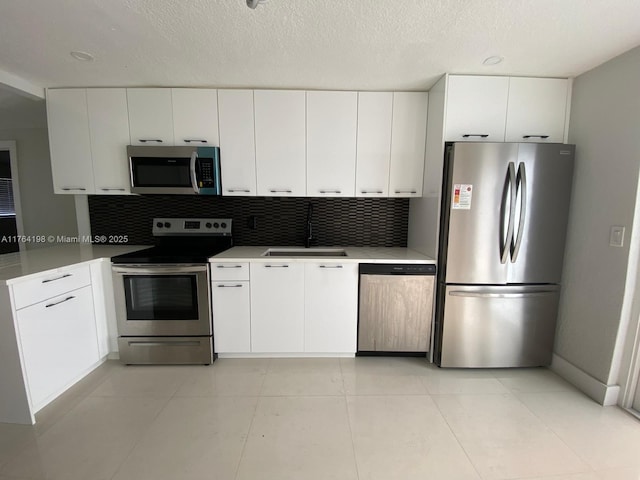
point(191, 226)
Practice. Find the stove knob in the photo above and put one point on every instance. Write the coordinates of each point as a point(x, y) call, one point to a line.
point(159, 224)
point(223, 225)
point(167, 225)
point(208, 224)
point(216, 225)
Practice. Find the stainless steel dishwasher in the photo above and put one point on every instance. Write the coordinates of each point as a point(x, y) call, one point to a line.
point(395, 308)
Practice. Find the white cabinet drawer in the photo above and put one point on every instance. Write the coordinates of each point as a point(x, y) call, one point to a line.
point(50, 285)
point(230, 271)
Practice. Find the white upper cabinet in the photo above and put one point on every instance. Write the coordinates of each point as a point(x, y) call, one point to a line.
point(373, 144)
point(536, 110)
point(331, 143)
point(237, 142)
point(476, 108)
point(109, 130)
point(150, 116)
point(408, 139)
point(69, 141)
point(280, 142)
point(195, 116)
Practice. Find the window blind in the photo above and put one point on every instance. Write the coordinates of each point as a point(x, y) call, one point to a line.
point(7, 207)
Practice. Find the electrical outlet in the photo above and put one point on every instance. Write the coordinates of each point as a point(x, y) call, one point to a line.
point(616, 237)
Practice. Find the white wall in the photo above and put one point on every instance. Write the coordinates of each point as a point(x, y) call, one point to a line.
point(43, 213)
point(605, 126)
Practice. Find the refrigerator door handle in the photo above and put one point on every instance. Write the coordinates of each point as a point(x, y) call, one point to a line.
point(506, 222)
point(521, 189)
point(462, 293)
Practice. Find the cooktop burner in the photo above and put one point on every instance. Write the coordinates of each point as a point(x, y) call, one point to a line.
point(183, 240)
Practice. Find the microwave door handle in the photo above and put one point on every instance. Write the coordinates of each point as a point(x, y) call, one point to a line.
point(192, 167)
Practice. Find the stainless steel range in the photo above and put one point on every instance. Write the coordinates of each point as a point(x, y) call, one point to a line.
point(163, 302)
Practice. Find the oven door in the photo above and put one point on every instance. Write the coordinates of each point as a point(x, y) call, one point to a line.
point(162, 300)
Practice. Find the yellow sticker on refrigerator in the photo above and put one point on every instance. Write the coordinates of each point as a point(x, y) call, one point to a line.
point(461, 196)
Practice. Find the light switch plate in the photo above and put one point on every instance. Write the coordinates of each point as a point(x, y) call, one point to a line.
point(616, 237)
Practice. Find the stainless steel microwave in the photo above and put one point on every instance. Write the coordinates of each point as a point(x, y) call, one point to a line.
point(183, 170)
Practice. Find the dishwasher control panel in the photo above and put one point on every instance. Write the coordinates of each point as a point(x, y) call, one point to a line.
point(397, 269)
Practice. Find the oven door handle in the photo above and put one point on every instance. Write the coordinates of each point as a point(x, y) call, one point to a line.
point(159, 270)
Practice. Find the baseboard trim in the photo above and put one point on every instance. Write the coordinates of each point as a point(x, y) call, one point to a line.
point(603, 394)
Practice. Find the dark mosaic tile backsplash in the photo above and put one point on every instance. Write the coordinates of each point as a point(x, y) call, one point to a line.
point(357, 222)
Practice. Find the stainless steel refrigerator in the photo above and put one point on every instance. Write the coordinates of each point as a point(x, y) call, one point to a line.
point(502, 236)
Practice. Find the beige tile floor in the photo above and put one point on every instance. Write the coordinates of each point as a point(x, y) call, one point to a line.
point(325, 419)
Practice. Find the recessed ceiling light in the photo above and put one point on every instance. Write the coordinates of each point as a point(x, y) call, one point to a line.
point(493, 60)
point(82, 56)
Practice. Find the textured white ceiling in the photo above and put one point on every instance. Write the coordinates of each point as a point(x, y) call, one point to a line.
point(310, 44)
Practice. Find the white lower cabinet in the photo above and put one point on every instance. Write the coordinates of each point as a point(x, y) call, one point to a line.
point(231, 317)
point(277, 307)
point(59, 343)
point(331, 307)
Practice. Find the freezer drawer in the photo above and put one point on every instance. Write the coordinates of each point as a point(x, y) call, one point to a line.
point(503, 326)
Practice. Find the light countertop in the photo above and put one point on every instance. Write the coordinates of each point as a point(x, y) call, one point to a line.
point(32, 262)
point(14, 266)
point(354, 254)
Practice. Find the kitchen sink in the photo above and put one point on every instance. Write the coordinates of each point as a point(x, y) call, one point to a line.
point(305, 252)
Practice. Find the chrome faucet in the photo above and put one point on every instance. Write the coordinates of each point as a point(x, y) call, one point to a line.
point(309, 233)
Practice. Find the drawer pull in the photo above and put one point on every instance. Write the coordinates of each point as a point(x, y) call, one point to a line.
point(57, 278)
point(228, 266)
point(276, 266)
point(330, 266)
point(406, 191)
point(275, 190)
point(145, 140)
point(229, 286)
point(189, 140)
point(481, 135)
point(331, 191)
point(371, 191)
point(112, 189)
point(242, 190)
point(68, 189)
point(535, 136)
point(61, 301)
